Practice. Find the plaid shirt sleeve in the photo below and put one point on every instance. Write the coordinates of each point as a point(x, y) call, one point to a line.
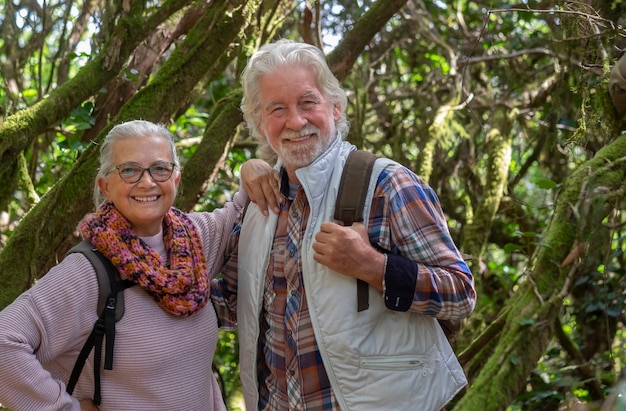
point(425, 271)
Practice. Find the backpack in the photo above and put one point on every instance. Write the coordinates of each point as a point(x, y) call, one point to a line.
point(111, 309)
point(349, 206)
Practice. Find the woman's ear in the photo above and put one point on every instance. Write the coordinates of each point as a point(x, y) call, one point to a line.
point(104, 187)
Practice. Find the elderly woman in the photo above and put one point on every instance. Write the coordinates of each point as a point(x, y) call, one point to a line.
point(166, 339)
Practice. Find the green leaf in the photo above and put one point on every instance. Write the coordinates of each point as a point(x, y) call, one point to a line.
point(511, 248)
point(545, 184)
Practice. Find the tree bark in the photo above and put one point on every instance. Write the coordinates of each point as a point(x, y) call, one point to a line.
point(585, 200)
point(342, 58)
point(479, 224)
point(19, 130)
point(211, 151)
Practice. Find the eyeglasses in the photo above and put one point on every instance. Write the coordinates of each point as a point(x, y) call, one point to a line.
point(133, 172)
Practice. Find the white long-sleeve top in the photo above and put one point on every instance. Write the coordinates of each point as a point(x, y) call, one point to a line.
point(161, 362)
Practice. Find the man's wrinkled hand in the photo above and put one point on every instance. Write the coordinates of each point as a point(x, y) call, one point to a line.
point(347, 250)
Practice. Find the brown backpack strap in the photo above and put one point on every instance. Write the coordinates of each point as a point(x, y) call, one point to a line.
point(353, 187)
point(351, 201)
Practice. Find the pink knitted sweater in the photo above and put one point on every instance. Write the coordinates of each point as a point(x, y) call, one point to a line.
point(161, 362)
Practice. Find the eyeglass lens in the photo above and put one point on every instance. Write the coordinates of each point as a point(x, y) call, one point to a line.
point(132, 173)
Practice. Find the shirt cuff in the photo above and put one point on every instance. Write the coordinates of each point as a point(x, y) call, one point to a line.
point(399, 281)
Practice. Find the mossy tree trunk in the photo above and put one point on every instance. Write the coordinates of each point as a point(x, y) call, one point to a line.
point(18, 132)
point(528, 318)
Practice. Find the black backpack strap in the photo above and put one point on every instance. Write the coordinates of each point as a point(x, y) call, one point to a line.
point(111, 309)
point(350, 202)
point(110, 315)
point(80, 361)
point(105, 326)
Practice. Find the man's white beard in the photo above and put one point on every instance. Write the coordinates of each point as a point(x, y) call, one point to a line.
point(304, 155)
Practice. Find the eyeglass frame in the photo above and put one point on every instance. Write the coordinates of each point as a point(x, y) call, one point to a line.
point(143, 170)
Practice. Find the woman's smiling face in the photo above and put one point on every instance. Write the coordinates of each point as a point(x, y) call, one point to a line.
point(144, 203)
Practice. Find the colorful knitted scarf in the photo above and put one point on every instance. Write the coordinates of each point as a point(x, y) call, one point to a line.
point(181, 288)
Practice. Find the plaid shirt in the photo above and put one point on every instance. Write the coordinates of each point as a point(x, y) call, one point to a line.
point(405, 219)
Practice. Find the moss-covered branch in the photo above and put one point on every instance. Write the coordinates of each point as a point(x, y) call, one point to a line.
point(18, 131)
point(533, 309)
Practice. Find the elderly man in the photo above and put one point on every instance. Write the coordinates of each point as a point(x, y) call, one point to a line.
point(290, 284)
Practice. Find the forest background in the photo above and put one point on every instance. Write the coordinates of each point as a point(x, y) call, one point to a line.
point(501, 106)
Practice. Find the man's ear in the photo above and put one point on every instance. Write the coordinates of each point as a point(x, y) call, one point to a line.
point(336, 112)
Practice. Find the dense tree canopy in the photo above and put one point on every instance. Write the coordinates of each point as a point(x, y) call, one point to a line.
point(503, 107)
